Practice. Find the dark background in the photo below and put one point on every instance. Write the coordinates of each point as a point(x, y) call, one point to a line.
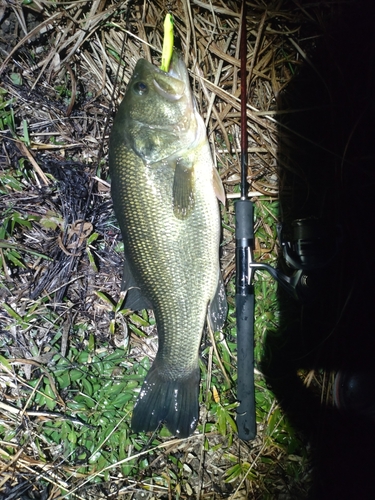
point(333, 179)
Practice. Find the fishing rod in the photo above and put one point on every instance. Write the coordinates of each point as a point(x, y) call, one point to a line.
point(310, 248)
point(244, 234)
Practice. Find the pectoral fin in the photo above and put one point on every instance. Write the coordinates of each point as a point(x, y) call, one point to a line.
point(134, 299)
point(218, 185)
point(183, 189)
point(218, 307)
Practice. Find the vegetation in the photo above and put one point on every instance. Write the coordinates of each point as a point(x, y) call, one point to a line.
point(71, 358)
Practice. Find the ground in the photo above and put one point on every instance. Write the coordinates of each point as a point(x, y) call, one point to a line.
point(72, 359)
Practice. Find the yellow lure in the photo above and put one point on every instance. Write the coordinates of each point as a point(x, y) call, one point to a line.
point(166, 54)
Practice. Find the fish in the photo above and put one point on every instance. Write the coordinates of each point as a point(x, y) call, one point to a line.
point(165, 190)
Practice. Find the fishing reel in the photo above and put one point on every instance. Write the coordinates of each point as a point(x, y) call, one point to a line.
point(307, 249)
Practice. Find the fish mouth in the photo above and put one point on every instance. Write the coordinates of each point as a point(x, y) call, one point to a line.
point(172, 91)
point(172, 85)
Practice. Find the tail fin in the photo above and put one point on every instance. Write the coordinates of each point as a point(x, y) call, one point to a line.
point(172, 401)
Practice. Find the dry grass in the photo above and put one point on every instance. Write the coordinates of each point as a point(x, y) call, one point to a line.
point(65, 66)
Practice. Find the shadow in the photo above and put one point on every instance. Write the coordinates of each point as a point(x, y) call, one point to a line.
point(328, 171)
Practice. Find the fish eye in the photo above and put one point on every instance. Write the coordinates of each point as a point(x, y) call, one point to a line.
point(140, 88)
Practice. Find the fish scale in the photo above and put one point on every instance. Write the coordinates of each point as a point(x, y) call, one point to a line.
point(165, 202)
point(170, 256)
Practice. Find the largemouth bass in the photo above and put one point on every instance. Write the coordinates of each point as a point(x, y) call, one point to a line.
point(164, 188)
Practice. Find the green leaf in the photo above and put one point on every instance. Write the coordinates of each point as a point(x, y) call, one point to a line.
point(91, 346)
point(87, 387)
point(95, 457)
point(121, 399)
point(26, 136)
point(136, 330)
point(86, 400)
point(83, 357)
point(63, 379)
point(66, 428)
point(12, 313)
point(106, 298)
point(75, 375)
point(17, 218)
point(51, 400)
point(12, 256)
point(138, 320)
point(116, 389)
point(93, 237)
point(5, 363)
point(72, 436)
point(77, 405)
point(16, 78)
point(233, 473)
point(92, 260)
point(52, 220)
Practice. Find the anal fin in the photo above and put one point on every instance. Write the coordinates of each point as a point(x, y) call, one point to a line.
point(134, 298)
point(218, 307)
